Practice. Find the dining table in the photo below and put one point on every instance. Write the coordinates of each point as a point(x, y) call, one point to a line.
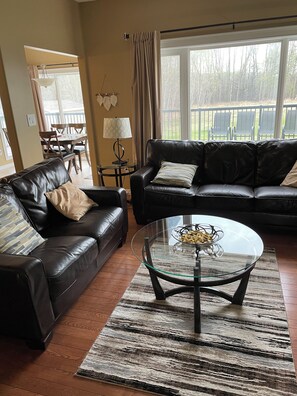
point(69, 140)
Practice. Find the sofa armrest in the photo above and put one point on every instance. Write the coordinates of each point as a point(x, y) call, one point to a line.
point(139, 180)
point(110, 196)
point(25, 306)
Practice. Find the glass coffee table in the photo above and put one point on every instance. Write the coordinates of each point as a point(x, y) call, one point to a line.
point(172, 249)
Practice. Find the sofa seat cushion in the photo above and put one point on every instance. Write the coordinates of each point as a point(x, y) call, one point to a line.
point(64, 260)
point(100, 223)
point(276, 199)
point(225, 197)
point(170, 196)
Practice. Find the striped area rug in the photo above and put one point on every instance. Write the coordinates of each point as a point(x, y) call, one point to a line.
point(150, 345)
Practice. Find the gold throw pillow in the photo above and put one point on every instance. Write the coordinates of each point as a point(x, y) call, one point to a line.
point(291, 179)
point(70, 201)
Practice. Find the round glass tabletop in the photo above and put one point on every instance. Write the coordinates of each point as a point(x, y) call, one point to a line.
point(235, 251)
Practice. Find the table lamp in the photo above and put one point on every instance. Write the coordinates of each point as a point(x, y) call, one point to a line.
point(117, 128)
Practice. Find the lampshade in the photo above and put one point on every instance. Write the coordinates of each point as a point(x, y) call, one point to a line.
point(117, 128)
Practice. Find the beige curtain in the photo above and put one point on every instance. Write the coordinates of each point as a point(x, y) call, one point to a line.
point(41, 120)
point(146, 91)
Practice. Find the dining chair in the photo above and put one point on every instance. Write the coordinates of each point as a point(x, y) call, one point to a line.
point(60, 128)
point(52, 148)
point(82, 147)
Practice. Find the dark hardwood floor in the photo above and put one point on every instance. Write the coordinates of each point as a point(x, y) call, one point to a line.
point(51, 373)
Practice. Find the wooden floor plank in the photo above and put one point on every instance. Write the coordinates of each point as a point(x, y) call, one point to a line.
point(25, 372)
point(13, 391)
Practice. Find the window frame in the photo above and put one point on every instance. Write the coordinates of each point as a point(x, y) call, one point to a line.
point(183, 46)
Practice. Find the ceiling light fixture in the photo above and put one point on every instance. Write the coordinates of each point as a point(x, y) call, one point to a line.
point(44, 80)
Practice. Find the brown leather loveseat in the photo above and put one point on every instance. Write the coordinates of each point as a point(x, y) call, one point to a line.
point(36, 289)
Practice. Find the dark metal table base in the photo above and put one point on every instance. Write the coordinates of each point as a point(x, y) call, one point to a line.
point(196, 285)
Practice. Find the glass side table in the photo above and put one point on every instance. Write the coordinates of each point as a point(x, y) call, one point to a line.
point(117, 171)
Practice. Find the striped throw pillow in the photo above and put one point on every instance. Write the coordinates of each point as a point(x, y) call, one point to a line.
point(16, 234)
point(174, 174)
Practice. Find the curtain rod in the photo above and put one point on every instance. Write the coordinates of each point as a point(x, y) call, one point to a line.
point(233, 24)
point(58, 64)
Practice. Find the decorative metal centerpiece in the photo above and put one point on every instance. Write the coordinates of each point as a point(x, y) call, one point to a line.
point(198, 234)
point(203, 237)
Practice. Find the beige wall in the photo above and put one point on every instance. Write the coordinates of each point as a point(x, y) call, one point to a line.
point(52, 25)
point(104, 23)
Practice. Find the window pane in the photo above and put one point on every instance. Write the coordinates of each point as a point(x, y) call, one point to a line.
point(171, 112)
point(235, 84)
point(70, 94)
point(62, 100)
point(49, 98)
point(289, 118)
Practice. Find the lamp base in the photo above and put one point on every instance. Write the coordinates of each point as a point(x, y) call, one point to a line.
point(119, 152)
point(119, 162)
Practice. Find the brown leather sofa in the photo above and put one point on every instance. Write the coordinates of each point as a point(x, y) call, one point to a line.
point(234, 179)
point(35, 290)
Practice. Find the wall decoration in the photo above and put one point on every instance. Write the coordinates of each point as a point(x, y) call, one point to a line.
point(107, 99)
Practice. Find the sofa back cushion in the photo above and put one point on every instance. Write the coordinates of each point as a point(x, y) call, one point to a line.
point(229, 163)
point(30, 186)
point(178, 151)
point(275, 159)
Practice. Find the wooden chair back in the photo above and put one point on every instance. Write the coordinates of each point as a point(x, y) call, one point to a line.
point(50, 144)
point(52, 148)
point(76, 127)
point(81, 147)
point(60, 128)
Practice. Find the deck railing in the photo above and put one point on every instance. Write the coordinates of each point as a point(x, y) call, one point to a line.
point(69, 118)
point(201, 121)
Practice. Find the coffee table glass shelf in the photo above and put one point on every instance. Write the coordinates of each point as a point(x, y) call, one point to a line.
point(228, 254)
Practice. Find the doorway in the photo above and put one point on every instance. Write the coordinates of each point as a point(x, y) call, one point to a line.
point(61, 100)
